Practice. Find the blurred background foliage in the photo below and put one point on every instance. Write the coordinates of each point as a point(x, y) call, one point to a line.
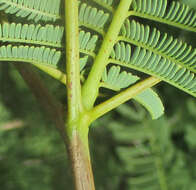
point(129, 150)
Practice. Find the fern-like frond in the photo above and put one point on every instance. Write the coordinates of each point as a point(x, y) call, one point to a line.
point(161, 44)
point(132, 133)
point(148, 62)
point(142, 160)
point(45, 10)
point(48, 35)
point(87, 43)
point(176, 14)
point(122, 52)
point(141, 166)
point(92, 18)
point(116, 80)
point(30, 54)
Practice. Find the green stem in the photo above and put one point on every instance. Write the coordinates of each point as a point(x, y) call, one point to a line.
point(72, 61)
point(77, 120)
point(122, 97)
point(91, 86)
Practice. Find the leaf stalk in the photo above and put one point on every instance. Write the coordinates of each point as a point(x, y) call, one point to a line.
point(91, 87)
point(122, 97)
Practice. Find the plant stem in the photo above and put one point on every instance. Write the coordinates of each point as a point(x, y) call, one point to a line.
point(72, 60)
point(80, 158)
point(77, 120)
point(91, 86)
point(122, 97)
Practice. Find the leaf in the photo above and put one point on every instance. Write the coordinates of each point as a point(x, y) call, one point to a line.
point(48, 35)
point(87, 41)
point(45, 10)
point(37, 55)
point(92, 17)
point(159, 43)
point(151, 62)
point(83, 62)
point(116, 80)
point(150, 100)
point(176, 14)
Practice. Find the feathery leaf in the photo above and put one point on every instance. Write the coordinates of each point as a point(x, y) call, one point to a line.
point(48, 35)
point(162, 44)
point(176, 14)
point(87, 41)
point(154, 64)
point(38, 55)
point(36, 10)
point(92, 17)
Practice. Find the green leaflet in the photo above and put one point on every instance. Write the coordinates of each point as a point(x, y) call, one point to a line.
point(176, 14)
point(154, 64)
point(45, 10)
point(150, 100)
point(48, 35)
point(162, 44)
point(117, 80)
point(93, 18)
point(83, 62)
point(121, 52)
point(38, 55)
point(87, 42)
point(152, 7)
